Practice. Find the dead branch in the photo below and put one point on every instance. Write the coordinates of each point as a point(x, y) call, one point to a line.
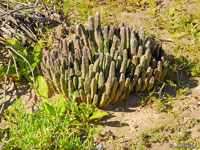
point(160, 91)
point(21, 8)
point(14, 63)
point(29, 67)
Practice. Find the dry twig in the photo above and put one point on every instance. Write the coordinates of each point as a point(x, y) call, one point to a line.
point(161, 89)
point(18, 9)
point(166, 40)
point(14, 63)
point(28, 65)
point(3, 141)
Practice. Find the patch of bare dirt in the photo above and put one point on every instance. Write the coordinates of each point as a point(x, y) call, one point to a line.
point(127, 121)
point(22, 91)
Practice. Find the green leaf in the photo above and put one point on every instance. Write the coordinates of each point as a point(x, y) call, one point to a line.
point(171, 11)
point(152, 3)
point(74, 94)
point(76, 110)
point(49, 109)
point(17, 46)
point(43, 87)
point(85, 110)
point(36, 56)
point(44, 101)
point(75, 123)
point(69, 105)
point(61, 110)
point(98, 115)
point(61, 105)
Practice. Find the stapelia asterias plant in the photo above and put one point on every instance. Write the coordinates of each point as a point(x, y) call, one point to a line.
point(103, 64)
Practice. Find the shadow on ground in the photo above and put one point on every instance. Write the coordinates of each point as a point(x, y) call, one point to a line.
point(14, 91)
point(177, 73)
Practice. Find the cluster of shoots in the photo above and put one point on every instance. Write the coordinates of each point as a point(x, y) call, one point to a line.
point(102, 65)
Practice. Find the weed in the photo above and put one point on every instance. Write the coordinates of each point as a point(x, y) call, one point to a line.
point(183, 91)
point(183, 27)
point(181, 23)
point(195, 65)
point(58, 124)
point(161, 105)
point(23, 69)
point(171, 83)
point(147, 99)
point(166, 132)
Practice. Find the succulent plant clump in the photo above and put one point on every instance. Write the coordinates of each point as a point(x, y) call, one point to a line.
point(102, 65)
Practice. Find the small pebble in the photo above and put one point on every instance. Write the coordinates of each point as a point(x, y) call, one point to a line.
point(185, 108)
point(92, 148)
point(148, 145)
point(99, 147)
point(188, 133)
point(192, 109)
